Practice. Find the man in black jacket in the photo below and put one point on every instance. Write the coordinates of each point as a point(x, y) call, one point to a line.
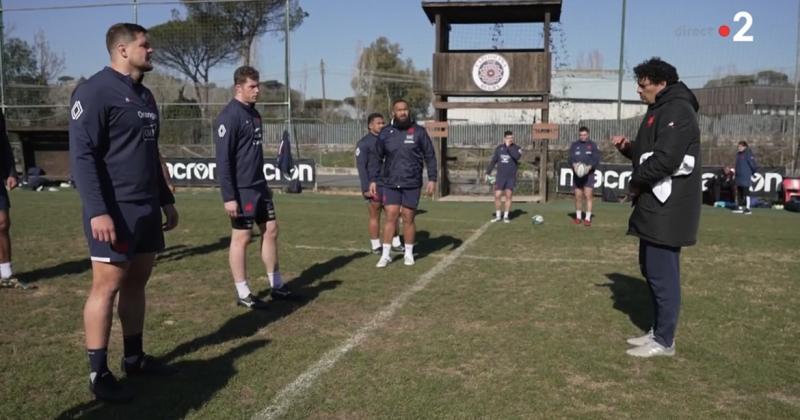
point(402, 146)
point(666, 186)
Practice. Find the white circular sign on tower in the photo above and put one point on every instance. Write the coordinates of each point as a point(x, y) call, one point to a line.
point(490, 72)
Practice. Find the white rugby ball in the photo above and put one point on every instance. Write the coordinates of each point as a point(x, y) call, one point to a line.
point(581, 169)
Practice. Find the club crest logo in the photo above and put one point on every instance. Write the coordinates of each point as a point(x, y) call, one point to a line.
point(490, 72)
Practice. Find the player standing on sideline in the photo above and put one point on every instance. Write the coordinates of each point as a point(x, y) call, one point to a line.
point(666, 150)
point(506, 156)
point(8, 174)
point(246, 196)
point(402, 146)
point(746, 167)
point(113, 142)
point(584, 151)
point(366, 163)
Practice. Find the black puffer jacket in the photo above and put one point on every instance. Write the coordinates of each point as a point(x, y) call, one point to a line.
point(403, 152)
point(670, 131)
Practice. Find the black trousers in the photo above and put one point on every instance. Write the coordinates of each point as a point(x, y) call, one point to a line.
point(660, 265)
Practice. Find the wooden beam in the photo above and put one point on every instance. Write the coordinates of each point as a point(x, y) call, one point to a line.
point(491, 105)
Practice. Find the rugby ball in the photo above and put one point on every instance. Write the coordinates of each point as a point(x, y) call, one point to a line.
point(538, 219)
point(581, 169)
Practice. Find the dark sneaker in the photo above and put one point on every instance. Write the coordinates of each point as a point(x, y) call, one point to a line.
point(282, 292)
point(14, 283)
point(252, 302)
point(747, 211)
point(377, 251)
point(147, 365)
point(398, 248)
point(106, 388)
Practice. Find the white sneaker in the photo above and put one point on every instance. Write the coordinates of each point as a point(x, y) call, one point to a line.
point(383, 262)
point(652, 348)
point(495, 220)
point(738, 211)
point(505, 220)
point(408, 260)
point(640, 341)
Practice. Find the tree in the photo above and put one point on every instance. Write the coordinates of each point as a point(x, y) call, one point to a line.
point(192, 47)
point(48, 63)
point(23, 84)
point(244, 22)
point(384, 76)
point(19, 61)
point(764, 78)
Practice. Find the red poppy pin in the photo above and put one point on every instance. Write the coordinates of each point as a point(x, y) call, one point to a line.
point(651, 120)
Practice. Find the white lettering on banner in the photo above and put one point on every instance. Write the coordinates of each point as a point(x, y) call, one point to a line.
point(199, 171)
point(705, 177)
point(304, 171)
point(763, 182)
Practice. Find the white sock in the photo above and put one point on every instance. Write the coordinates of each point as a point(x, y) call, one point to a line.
point(497, 214)
point(410, 250)
point(387, 248)
point(505, 215)
point(242, 289)
point(589, 216)
point(275, 280)
point(375, 243)
point(5, 270)
point(396, 241)
point(747, 200)
point(578, 214)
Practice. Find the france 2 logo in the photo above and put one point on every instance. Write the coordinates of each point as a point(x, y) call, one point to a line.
point(741, 34)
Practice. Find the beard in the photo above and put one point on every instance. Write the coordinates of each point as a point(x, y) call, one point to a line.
point(403, 124)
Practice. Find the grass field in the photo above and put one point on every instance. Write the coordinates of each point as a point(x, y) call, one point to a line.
point(525, 322)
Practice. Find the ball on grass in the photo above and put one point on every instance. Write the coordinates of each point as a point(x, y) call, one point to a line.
point(538, 219)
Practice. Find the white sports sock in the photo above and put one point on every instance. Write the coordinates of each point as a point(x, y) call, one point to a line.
point(410, 249)
point(747, 199)
point(375, 243)
point(505, 215)
point(275, 280)
point(589, 216)
point(578, 214)
point(5, 270)
point(387, 249)
point(497, 214)
point(396, 241)
point(242, 289)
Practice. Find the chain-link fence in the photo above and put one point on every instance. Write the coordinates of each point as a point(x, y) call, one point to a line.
point(39, 38)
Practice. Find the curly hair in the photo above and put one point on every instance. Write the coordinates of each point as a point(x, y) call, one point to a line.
point(656, 71)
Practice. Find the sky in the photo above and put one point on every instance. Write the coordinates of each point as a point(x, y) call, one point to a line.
point(683, 32)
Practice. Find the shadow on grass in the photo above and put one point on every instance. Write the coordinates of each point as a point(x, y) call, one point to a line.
point(199, 380)
point(513, 214)
point(80, 266)
point(171, 397)
point(631, 296)
point(427, 245)
point(179, 252)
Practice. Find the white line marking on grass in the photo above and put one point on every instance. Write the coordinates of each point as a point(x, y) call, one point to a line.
point(282, 401)
point(331, 248)
point(484, 257)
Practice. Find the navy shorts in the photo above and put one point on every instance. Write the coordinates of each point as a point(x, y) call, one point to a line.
point(406, 197)
point(5, 202)
point(377, 198)
point(585, 182)
point(138, 229)
point(255, 207)
point(505, 184)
